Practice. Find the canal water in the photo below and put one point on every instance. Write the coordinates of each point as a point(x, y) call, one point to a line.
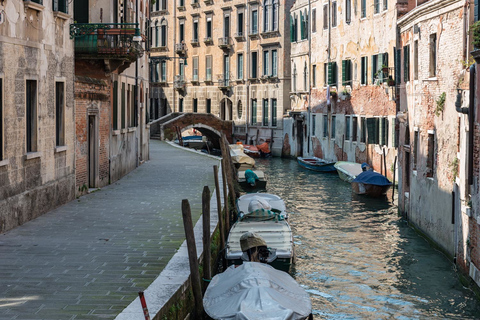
point(357, 258)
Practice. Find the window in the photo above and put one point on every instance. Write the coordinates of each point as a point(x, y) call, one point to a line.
point(346, 72)
point(253, 72)
point(163, 71)
point(274, 63)
point(253, 119)
point(303, 25)
point(433, 55)
point(240, 24)
point(364, 9)
point(415, 60)
point(163, 41)
point(163, 4)
point(195, 105)
point(267, 7)
point(59, 5)
point(195, 31)
point(314, 125)
point(265, 112)
point(325, 16)
point(305, 77)
point(209, 27)
point(181, 31)
point(115, 105)
point(180, 105)
point(314, 76)
point(431, 155)
point(348, 11)
point(293, 34)
point(156, 34)
point(373, 130)
point(294, 74)
point(385, 5)
point(476, 11)
point(383, 134)
point(226, 25)
point(415, 149)
point(354, 128)
point(363, 132)
point(266, 72)
point(195, 69)
point(325, 126)
point(208, 68)
point(59, 114)
point(314, 20)
point(240, 66)
point(274, 112)
point(406, 63)
point(347, 128)
point(376, 6)
point(254, 29)
point(364, 70)
point(334, 14)
point(208, 106)
point(31, 115)
point(1, 120)
point(332, 133)
point(123, 106)
point(239, 109)
point(331, 73)
point(275, 12)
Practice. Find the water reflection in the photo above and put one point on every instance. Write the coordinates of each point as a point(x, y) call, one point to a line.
point(357, 258)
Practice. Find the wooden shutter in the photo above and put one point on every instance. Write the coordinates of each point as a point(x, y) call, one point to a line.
point(344, 72)
point(406, 63)
point(372, 129)
point(398, 66)
point(373, 71)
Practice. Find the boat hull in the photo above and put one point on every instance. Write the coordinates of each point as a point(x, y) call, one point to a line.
point(369, 189)
point(316, 165)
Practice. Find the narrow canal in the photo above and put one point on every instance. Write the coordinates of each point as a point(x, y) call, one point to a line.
point(357, 258)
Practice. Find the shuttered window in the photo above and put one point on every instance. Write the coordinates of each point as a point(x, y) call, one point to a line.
point(115, 105)
point(332, 74)
point(325, 16)
point(372, 129)
point(383, 132)
point(364, 70)
point(406, 63)
point(346, 72)
point(332, 133)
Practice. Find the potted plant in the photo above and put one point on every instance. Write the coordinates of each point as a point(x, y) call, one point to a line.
point(384, 68)
point(390, 81)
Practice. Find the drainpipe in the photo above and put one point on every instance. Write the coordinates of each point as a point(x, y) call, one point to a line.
point(174, 52)
point(309, 72)
point(135, 98)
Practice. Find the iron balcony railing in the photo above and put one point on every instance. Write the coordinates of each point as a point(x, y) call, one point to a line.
point(119, 40)
point(224, 82)
point(180, 48)
point(179, 82)
point(224, 42)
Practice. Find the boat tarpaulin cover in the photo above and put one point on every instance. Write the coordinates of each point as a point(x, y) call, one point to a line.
point(255, 290)
point(371, 177)
point(238, 156)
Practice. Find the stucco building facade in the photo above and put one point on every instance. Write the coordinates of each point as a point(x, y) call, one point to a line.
point(343, 93)
point(435, 149)
point(37, 131)
point(224, 58)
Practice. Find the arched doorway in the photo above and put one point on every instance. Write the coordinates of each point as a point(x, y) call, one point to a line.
point(226, 109)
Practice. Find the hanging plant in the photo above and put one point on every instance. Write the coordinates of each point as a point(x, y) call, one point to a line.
point(440, 104)
point(475, 29)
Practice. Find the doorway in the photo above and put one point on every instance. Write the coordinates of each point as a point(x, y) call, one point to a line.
point(92, 151)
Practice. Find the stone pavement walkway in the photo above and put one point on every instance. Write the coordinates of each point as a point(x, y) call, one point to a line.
point(89, 258)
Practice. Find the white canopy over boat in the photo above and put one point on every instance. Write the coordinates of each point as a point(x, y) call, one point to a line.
point(256, 291)
point(238, 156)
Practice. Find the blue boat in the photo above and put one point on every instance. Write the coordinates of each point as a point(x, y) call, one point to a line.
point(371, 183)
point(316, 164)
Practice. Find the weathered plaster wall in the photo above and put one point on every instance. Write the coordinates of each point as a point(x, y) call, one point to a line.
point(34, 46)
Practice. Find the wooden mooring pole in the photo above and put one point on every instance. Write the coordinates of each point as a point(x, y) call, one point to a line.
point(225, 197)
point(207, 255)
point(393, 186)
point(219, 208)
point(192, 257)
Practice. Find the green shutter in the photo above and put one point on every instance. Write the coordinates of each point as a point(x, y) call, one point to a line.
point(372, 130)
point(330, 73)
point(406, 63)
point(301, 25)
point(292, 38)
point(344, 72)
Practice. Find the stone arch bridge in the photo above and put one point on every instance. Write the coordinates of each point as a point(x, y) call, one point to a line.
point(165, 128)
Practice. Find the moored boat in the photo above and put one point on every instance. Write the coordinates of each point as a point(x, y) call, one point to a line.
point(316, 164)
point(347, 171)
point(371, 183)
point(256, 291)
point(270, 224)
point(241, 161)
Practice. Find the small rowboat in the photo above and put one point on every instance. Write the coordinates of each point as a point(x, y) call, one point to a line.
point(347, 171)
point(316, 164)
point(371, 183)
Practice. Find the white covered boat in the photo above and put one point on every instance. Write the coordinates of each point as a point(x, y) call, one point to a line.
point(256, 291)
point(270, 224)
point(347, 171)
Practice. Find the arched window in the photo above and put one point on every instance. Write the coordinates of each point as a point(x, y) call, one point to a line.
point(164, 33)
point(275, 15)
point(267, 13)
point(239, 109)
point(156, 34)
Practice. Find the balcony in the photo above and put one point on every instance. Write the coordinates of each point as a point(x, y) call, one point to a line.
point(115, 43)
point(208, 40)
point(224, 43)
point(208, 2)
point(239, 36)
point(224, 83)
point(180, 48)
point(195, 80)
point(195, 4)
point(194, 42)
point(253, 33)
point(179, 83)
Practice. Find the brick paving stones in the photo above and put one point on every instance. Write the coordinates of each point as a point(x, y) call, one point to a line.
point(89, 258)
